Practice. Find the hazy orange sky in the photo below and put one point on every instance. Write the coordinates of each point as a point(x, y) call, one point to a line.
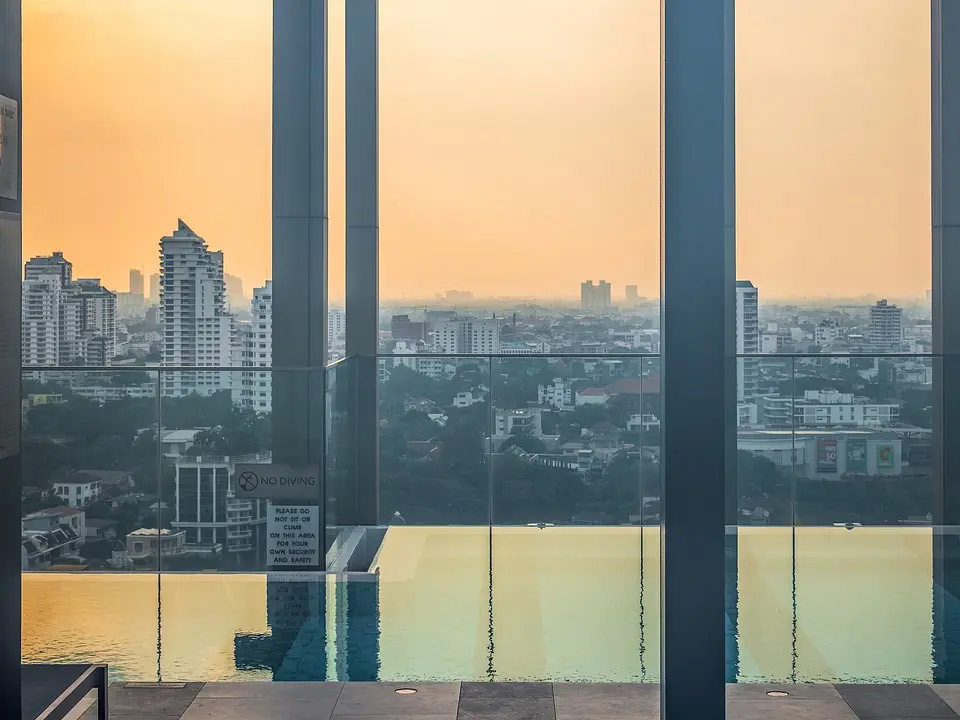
point(518, 141)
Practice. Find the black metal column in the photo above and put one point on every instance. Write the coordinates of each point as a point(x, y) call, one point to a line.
point(10, 264)
point(945, 155)
point(362, 248)
point(697, 359)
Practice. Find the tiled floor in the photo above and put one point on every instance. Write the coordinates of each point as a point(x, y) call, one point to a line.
point(514, 701)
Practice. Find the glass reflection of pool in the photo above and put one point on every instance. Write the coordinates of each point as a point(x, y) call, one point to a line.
point(818, 604)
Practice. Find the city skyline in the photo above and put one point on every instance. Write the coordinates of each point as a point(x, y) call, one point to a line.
point(833, 176)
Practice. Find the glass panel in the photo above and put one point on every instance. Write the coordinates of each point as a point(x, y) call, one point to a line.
point(210, 424)
point(864, 514)
point(89, 458)
point(834, 580)
point(434, 562)
point(575, 484)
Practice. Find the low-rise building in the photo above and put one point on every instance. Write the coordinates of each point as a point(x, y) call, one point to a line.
point(149, 543)
point(558, 394)
point(78, 490)
point(209, 513)
point(830, 408)
point(833, 455)
point(466, 398)
point(528, 421)
point(50, 519)
point(40, 549)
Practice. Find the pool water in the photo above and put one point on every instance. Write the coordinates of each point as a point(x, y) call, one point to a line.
point(443, 603)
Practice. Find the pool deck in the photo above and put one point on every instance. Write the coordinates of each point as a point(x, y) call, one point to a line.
point(510, 701)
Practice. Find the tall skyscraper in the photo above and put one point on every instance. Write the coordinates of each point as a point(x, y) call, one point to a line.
point(136, 282)
point(594, 297)
point(254, 349)
point(65, 321)
point(886, 326)
point(155, 288)
point(40, 320)
point(631, 295)
point(197, 329)
point(748, 340)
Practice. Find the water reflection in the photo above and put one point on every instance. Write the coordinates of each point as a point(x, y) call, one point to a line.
point(563, 603)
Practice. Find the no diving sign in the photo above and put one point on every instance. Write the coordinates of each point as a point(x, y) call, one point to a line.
point(276, 482)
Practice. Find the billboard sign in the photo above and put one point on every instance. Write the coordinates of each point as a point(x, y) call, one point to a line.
point(826, 455)
point(885, 456)
point(856, 455)
point(9, 148)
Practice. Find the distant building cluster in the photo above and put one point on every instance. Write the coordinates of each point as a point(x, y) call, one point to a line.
point(594, 297)
point(65, 321)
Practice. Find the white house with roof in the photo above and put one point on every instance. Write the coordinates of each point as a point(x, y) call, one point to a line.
point(176, 443)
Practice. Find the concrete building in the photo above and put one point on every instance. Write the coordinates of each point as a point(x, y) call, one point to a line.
point(40, 320)
point(78, 490)
point(830, 408)
point(527, 421)
point(403, 328)
point(886, 327)
point(197, 329)
point(50, 519)
point(65, 321)
point(98, 321)
point(557, 394)
point(130, 305)
point(815, 454)
point(146, 544)
point(233, 288)
point(631, 295)
point(336, 331)
point(136, 282)
point(468, 337)
point(155, 288)
point(254, 349)
point(826, 332)
point(207, 511)
point(594, 297)
point(748, 340)
point(54, 264)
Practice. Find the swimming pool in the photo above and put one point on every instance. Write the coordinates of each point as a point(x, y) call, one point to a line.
point(461, 603)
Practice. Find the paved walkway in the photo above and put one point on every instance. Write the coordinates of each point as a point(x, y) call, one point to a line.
point(513, 701)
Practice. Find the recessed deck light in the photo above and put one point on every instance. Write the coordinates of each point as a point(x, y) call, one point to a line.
point(405, 691)
point(778, 693)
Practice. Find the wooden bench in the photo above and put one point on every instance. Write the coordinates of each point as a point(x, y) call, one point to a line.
point(49, 692)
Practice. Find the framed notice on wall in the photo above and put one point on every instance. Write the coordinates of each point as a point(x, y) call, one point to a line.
point(826, 455)
point(9, 148)
point(885, 456)
point(856, 455)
